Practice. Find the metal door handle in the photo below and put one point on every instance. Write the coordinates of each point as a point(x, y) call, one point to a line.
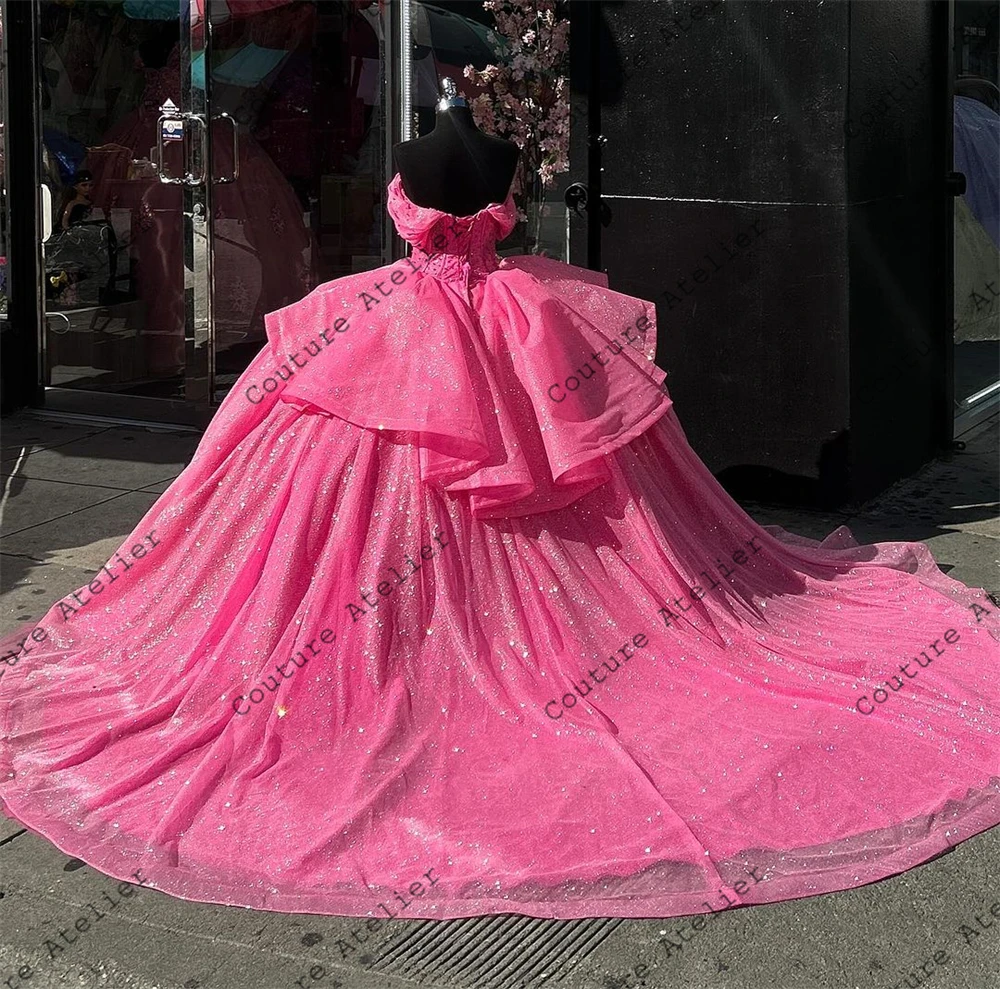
point(55, 314)
point(191, 178)
point(236, 149)
point(161, 167)
point(577, 197)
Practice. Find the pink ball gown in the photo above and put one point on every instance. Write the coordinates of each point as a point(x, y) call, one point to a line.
point(445, 617)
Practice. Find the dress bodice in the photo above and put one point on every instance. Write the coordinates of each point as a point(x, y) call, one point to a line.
point(452, 248)
point(514, 378)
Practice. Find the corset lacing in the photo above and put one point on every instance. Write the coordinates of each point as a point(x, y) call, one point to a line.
point(468, 251)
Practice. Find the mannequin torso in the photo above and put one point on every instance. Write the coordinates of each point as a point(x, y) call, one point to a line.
point(456, 168)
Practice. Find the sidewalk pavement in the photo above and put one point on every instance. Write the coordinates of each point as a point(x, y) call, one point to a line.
point(71, 493)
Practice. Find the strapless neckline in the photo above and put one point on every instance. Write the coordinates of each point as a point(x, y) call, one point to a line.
point(460, 250)
point(421, 225)
point(397, 181)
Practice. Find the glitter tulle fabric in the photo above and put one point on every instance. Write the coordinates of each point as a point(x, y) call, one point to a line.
point(436, 617)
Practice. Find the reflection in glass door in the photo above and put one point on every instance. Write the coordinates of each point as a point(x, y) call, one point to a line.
point(113, 228)
point(977, 213)
point(296, 91)
point(204, 163)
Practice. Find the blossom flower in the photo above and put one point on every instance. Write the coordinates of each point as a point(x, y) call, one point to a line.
point(526, 98)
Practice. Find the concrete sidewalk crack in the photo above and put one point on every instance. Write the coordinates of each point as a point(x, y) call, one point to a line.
point(10, 838)
point(66, 515)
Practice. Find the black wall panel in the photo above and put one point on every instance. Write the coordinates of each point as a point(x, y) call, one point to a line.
point(744, 118)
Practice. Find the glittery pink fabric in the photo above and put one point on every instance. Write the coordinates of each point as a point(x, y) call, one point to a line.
point(412, 617)
point(465, 357)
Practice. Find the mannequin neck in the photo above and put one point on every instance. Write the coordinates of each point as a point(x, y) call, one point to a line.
point(456, 118)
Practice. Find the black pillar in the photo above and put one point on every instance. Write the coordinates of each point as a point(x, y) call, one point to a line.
point(791, 221)
point(19, 370)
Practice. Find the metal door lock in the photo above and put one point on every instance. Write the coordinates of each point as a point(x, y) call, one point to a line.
point(575, 197)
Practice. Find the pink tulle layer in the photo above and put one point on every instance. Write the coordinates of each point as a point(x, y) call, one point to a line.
point(435, 712)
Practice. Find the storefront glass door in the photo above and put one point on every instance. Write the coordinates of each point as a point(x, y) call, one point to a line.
point(204, 162)
point(112, 199)
point(297, 159)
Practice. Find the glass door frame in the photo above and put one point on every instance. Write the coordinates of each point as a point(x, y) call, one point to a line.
point(199, 336)
point(25, 350)
point(21, 332)
point(195, 409)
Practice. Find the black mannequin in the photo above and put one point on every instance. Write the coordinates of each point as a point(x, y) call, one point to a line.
point(456, 168)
